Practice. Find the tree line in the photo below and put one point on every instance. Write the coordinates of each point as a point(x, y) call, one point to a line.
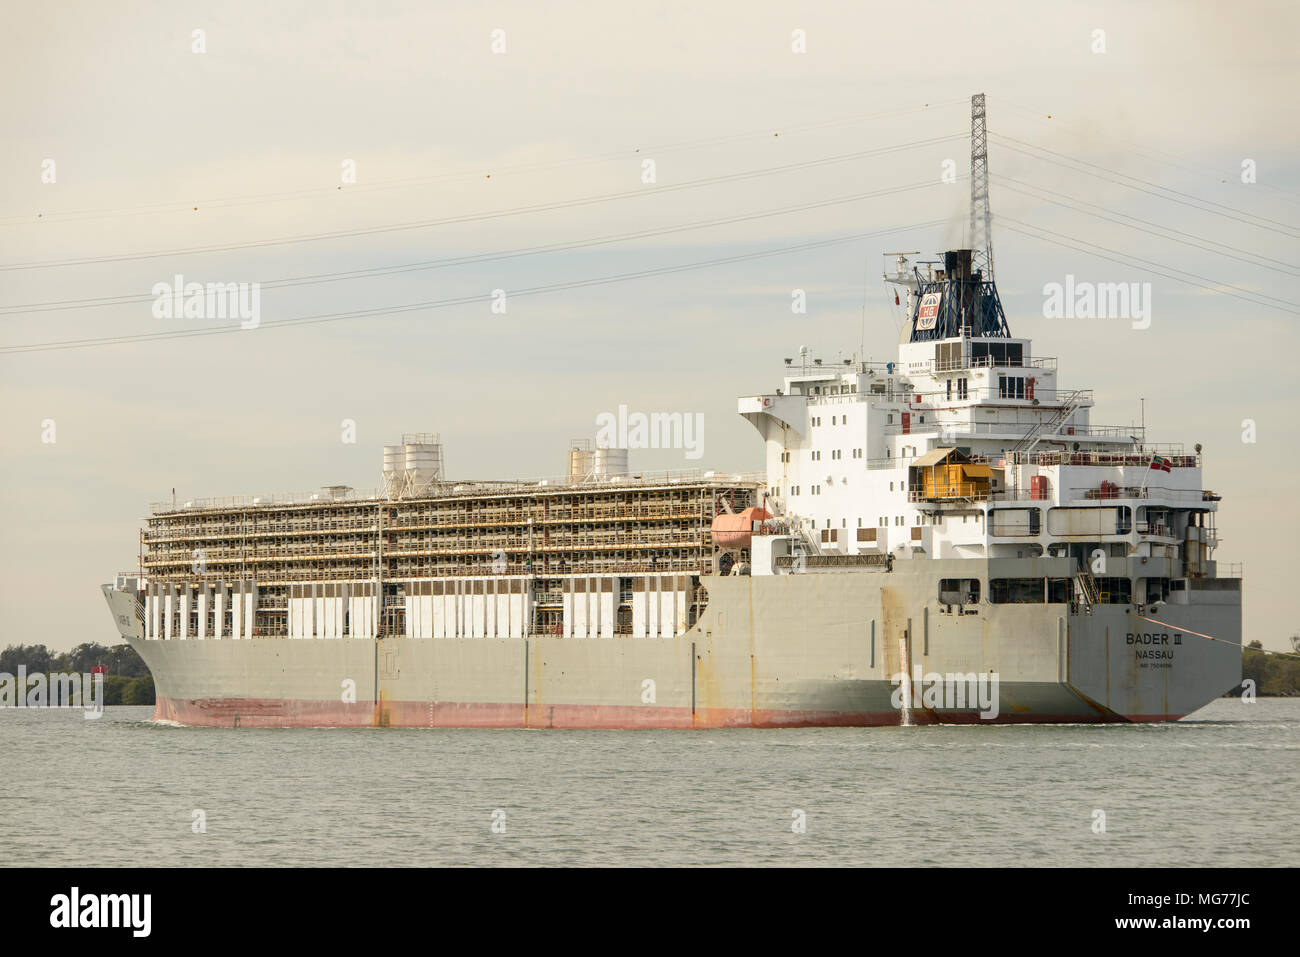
point(1274, 675)
point(126, 679)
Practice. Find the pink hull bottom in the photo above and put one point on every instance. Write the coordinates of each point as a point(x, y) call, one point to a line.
point(285, 713)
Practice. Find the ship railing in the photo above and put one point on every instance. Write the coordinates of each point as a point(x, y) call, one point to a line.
point(949, 427)
point(843, 398)
point(1154, 529)
point(351, 496)
point(1046, 398)
point(1138, 491)
point(905, 461)
point(1096, 494)
point(1171, 451)
point(955, 492)
point(890, 462)
point(471, 488)
point(989, 362)
point(1021, 495)
point(823, 369)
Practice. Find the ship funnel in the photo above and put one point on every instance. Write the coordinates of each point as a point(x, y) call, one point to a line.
point(956, 301)
point(957, 263)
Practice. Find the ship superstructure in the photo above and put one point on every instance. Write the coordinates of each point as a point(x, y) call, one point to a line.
point(966, 447)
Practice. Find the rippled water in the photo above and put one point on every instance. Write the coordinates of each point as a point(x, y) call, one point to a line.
point(1216, 789)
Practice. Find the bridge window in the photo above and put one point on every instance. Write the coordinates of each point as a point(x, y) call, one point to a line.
point(1157, 589)
point(1016, 591)
point(1016, 521)
point(1114, 591)
point(997, 353)
point(1098, 520)
point(959, 591)
point(1011, 387)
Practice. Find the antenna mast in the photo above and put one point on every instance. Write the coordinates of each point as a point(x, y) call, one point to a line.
point(981, 230)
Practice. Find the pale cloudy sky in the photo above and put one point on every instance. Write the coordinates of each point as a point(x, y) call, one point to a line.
point(254, 131)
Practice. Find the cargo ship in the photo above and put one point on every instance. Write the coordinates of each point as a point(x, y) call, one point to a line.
point(950, 512)
point(926, 529)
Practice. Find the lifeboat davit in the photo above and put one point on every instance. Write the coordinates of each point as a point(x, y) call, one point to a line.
point(736, 529)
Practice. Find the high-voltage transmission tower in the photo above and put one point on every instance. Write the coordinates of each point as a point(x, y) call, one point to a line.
point(981, 230)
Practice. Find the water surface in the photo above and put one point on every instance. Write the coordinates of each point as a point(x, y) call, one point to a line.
point(1219, 788)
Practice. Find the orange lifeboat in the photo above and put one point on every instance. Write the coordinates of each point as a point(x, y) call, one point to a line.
point(736, 530)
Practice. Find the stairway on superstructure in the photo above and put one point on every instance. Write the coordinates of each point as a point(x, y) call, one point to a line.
point(1048, 427)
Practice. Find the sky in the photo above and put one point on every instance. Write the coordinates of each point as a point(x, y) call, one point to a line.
point(310, 142)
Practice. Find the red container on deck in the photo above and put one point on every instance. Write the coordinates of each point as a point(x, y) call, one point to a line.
point(1038, 486)
point(1109, 490)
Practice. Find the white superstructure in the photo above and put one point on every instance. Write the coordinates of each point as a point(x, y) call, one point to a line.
point(967, 447)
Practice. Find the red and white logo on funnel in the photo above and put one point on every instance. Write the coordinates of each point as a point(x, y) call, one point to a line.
point(928, 313)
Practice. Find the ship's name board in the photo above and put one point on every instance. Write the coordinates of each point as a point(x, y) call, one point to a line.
point(1154, 646)
point(1153, 638)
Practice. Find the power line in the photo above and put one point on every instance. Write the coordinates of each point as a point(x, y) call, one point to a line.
point(60, 305)
point(1157, 268)
point(1159, 156)
point(1267, 263)
point(1285, 229)
point(498, 214)
point(65, 304)
point(1187, 278)
point(460, 300)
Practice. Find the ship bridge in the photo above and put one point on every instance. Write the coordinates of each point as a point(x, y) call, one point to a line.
point(967, 446)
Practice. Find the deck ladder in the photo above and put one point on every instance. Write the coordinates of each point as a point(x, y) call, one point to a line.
point(1049, 427)
point(1088, 591)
